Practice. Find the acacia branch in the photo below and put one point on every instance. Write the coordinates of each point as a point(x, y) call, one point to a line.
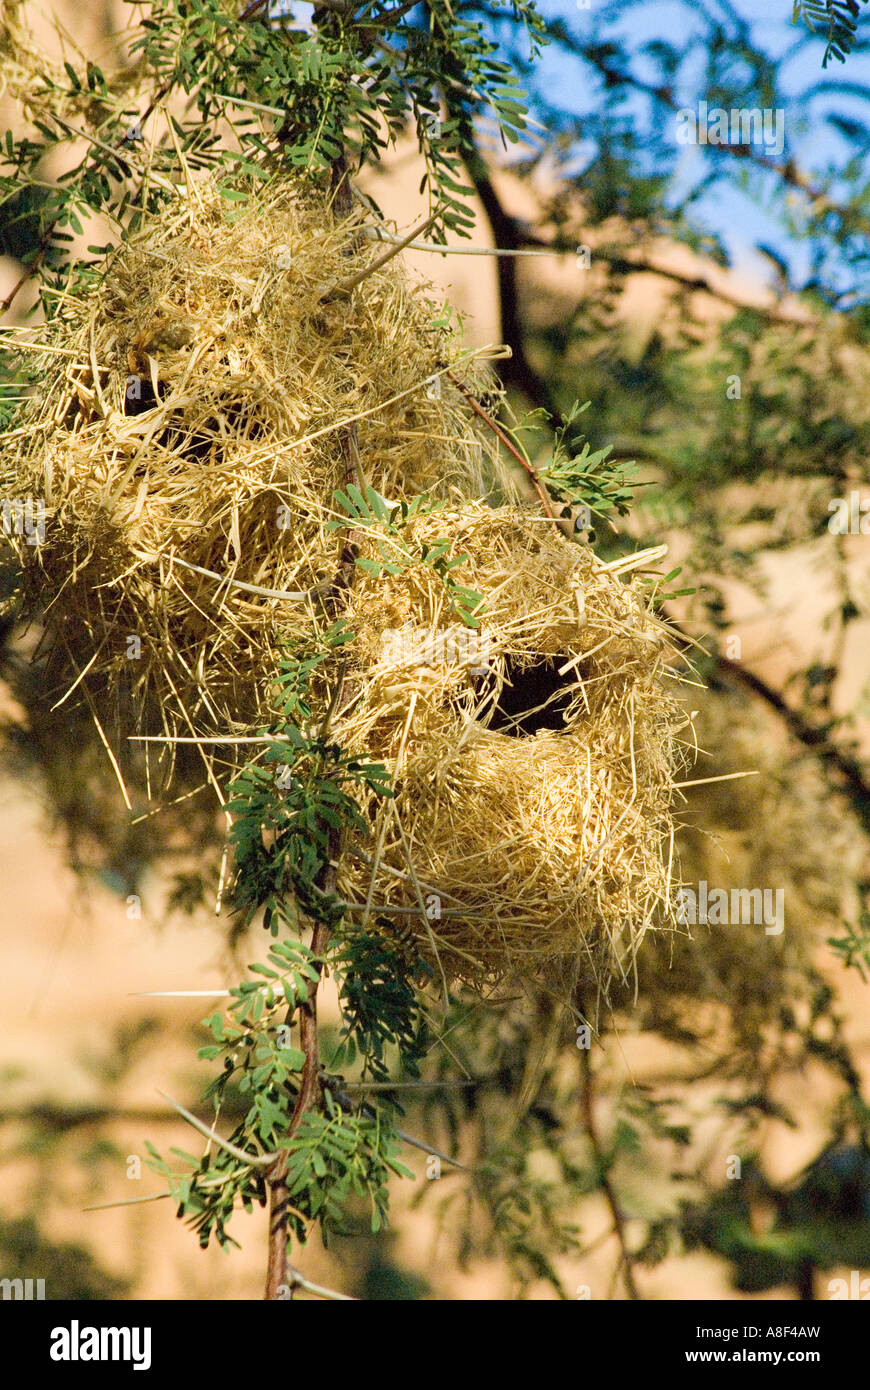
point(500, 434)
point(308, 1095)
point(30, 270)
point(817, 739)
point(636, 264)
point(603, 1165)
point(789, 173)
point(625, 266)
point(310, 1090)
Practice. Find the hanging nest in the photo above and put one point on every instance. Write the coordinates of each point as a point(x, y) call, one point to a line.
point(533, 756)
point(187, 441)
point(191, 410)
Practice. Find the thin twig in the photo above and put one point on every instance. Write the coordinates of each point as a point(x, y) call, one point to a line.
point(345, 286)
point(253, 1160)
point(380, 235)
point(725, 777)
point(428, 1149)
point(296, 1280)
point(159, 1196)
point(500, 434)
point(209, 738)
point(339, 1094)
point(603, 1165)
point(410, 862)
point(294, 595)
point(408, 1085)
point(402, 911)
point(181, 993)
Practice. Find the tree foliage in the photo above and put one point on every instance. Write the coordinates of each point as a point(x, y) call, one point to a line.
point(545, 1122)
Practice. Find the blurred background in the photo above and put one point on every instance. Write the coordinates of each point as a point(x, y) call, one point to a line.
point(710, 302)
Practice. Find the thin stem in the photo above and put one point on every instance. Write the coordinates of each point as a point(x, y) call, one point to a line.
point(253, 1160)
point(345, 286)
point(296, 1280)
point(602, 1164)
point(380, 235)
point(500, 434)
point(310, 1091)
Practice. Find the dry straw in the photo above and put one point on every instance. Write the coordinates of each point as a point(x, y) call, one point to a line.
point(726, 983)
point(187, 442)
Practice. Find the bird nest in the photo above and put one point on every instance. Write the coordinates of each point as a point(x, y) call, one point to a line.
point(183, 452)
point(533, 756)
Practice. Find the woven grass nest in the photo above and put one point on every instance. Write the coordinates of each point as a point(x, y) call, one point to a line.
point(186, 440)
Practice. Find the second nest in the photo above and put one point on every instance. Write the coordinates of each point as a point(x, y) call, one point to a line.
point(533, 756)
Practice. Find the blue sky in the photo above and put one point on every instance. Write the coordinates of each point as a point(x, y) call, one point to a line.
point(739, 221)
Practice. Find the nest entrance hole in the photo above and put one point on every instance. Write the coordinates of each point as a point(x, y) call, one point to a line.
point(533, 698)
point(198, 445)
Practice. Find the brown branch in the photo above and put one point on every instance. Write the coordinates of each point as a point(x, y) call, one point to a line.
point(803, 729)
point(624, 265)
point(62, 1117)
point(30, 271)
point(603, 1166)
point(509, 445)
point(310, 1091)
point(309, 1094)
